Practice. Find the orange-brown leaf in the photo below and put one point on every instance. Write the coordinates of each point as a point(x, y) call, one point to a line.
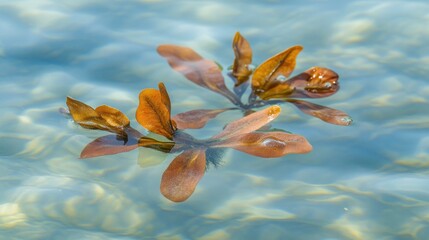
point(277, 90)
point(102, 118)
point(275, 69)
point(243, 59)
point(183, 174)
point(195, 119)
point(148, 142)
point(201, 71)
point(153, 114)
point(249, 123)
point(166, 101)
point(316, 82)
point(326, 114)
point(113, 116)
point(267, 144)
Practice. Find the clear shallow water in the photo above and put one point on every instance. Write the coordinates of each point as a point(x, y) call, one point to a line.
point(366, 181)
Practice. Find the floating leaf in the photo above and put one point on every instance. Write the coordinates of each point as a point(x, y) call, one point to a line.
point(166, 101)
point(267, 144)
point(201, 71)
point(183, 174)
point(153, 112)
point(249, 123)
point(266, 127)
point(274, 70)
point(113, 116)
point(243, 58)
point(277, 90)
point(316, 82)
point(102, 118)
point(326, 114)
point(195, 119)
point(108, 145)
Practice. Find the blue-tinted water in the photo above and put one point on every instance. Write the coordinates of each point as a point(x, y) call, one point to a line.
point(366, 181)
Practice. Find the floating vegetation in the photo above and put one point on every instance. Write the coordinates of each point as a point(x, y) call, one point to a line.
point(250, 134)
point(269, 81)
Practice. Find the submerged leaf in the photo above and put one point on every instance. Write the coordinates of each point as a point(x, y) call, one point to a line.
point(274, 70)
point(326, 114)
point(102, 118)
point(149, 157)
point(201, 71)
point(249, 123)
point(107, 145)
point(153, 112)
point(267, 144)
point(183, 174)
point(195, 119)
point(243, 58)
point(112, 144)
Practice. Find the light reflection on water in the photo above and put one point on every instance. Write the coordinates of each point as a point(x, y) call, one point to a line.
point(366, 181)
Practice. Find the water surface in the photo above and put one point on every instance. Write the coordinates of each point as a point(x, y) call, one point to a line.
point(366, 181)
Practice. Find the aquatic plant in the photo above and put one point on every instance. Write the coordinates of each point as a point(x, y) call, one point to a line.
point(250, 134)
point(181, 177)
point(269, 81)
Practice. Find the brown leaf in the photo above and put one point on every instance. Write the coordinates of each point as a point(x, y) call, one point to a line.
point(326, 114)
point(195, 119)
point(148, 142)
point(243, 59)
point(266, 127)
point(277, 90)
point(153, 113)
point(107, 145)
point(267, 144)
point(183, 174)
point(249, 123)
point(274, 70)
point(102, 118)
point(166, 101)
point(201, 71)
point(316, 82)
point(113, 116)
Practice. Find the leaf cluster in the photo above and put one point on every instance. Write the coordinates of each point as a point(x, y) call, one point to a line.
point(250, 134)
point(270, 82)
